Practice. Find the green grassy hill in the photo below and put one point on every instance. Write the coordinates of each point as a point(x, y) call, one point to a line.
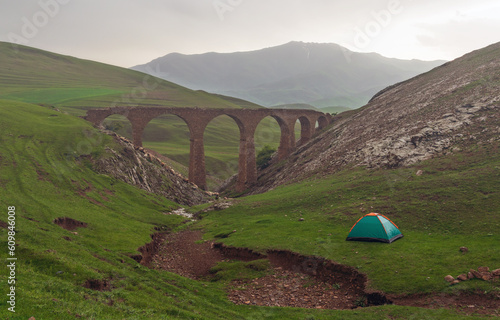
point(337, 109)
point(454, 203)
point(45, 175)
point(74, 85)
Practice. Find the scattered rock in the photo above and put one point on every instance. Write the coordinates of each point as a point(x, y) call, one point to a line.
point(462, 277)
point(419, 173)
point(482, 273)
point(476, 274)
point(483, 269)
point(486, 276)
point(222, 205)
point(219, 206)
point(181, 212)
point(301, 219)
point(468, 108)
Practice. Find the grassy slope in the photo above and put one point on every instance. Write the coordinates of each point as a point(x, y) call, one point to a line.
point(456, 202)
point(45, 176)
point(334, 109)
point(74, 85)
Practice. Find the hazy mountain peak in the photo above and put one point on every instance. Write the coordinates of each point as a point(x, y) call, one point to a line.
point(319, 74)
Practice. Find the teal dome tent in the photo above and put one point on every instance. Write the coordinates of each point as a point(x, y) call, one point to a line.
point(374, 227)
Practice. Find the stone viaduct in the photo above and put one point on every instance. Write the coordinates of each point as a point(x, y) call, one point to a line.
point(247, 120)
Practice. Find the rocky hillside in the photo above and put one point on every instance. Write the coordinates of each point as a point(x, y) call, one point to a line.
point(138, 167)
point(441, 111)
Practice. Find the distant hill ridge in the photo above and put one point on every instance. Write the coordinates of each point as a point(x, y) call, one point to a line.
point(319, 74)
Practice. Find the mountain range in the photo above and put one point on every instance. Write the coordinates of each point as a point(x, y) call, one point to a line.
point(319, 74)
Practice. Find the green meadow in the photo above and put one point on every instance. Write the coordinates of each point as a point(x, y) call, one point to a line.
point(438, 212)
point(45, 176)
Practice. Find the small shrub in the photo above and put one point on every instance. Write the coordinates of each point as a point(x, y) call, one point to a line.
point(114, 126)
point(264, 156)
point(360, 302)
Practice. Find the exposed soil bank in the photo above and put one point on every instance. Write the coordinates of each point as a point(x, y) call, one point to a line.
point(96, 284)
point(69, 224)
point(295, 280)
point(465, 302)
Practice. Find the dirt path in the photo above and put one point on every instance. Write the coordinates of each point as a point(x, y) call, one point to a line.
point(297, 281)
point(184, 253)
point(291, 289)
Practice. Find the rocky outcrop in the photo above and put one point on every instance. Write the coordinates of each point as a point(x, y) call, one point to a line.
point(402, 148)
point(482, 273)
point(138, 167)
point(438, 112)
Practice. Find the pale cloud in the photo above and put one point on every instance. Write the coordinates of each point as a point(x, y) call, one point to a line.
point(130, 32)
point(450, 37)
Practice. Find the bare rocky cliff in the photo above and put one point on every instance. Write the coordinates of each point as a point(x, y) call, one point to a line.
point(415, 120)
point(138, 167)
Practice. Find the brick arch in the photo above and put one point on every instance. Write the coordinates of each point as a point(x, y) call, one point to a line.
point(287, 138)
point(141, 132)
point(197, 120)
point(322, 121)
point(118, 117)
point(247, 167)
point(97, 116)
point(242, 133)
point(306, 130)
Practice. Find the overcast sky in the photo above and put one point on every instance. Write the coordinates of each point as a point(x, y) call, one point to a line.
point(131, 32)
